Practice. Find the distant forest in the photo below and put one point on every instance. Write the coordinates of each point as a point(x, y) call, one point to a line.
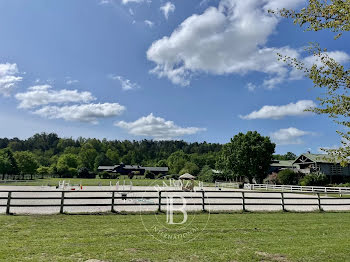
point(48, 154)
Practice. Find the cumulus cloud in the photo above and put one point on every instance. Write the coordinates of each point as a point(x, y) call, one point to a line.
point(125, 83)
point(229, 39)
point(149, 23)
point(8, 78)
point(43, 95)
point(83, 113)
point(167, 8)
point(157, 127)
point(278, 112)
point(289, 136)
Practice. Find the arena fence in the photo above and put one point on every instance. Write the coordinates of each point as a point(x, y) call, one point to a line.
point(293, 188)
point(243, 199)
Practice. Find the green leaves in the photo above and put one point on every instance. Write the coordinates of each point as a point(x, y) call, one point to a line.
point(247, 155)
point(327, 73)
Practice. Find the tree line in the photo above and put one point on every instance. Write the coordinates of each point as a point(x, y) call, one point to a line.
point(45, 154)
point(246, 156)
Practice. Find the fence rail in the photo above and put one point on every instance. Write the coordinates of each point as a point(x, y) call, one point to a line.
point(223, 198)
point(292, 188)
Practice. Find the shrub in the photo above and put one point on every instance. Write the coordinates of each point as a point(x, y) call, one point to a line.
point(149, 175)
point(174, 176)
point(105, 175)
point(71, 172)
point(206, 174)
point(314, 179)
point(288, 177)
point(271, 179)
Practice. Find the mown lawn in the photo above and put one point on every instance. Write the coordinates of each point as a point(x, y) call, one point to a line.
point(227, 237)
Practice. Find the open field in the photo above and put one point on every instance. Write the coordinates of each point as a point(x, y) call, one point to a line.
point(86, 182)
point(228, 237)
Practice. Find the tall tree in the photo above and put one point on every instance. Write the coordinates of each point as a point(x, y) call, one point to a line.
point(247, 155)
point(27, 163)
point(327, 73)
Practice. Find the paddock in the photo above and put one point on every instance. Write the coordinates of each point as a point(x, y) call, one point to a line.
point(95, 199)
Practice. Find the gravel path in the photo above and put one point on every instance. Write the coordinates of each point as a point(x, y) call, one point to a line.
point(139, 198)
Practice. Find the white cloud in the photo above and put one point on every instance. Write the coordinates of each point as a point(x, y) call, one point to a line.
point(135, 1)
point(105, 2)
point(156, 127)
point(124, 2)
point(125, 83)
point(8, 78)
point(72, 81)
point(229, 39)
point(289, 136)
point(167, 8)
point(43, 95)
point(251, 87)
point(278, 112)
point(149, 23)
point(83, 113)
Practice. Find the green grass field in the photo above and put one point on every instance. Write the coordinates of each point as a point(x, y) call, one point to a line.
point(228, 237)
point(86, 182)
point(91, 182)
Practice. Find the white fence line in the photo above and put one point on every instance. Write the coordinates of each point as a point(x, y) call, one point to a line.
point(291, 188)
point(226, 184)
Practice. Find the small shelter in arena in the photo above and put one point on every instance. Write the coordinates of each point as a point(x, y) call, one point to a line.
point(187, 182)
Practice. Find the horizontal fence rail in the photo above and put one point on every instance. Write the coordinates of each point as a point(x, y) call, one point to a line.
point(205, 199)
point(292, 188)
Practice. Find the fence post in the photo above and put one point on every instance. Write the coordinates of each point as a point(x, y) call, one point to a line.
point(159, 201)
point(203, 202)
point(319, 202)
point(8, 203)
point(243, 202)
point(62, 202)
point(282, 200)
point(112, 207)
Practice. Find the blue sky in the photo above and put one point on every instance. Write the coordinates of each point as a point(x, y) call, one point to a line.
point(134, 69)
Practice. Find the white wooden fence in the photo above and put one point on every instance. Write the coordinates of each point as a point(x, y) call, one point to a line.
point(291, 188)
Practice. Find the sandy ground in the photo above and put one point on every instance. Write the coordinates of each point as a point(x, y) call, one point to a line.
point(141, 201)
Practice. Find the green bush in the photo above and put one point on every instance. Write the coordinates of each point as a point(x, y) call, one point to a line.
point(84, 173)
point(175, 176)
point(314, 179)
point(105, 175)
point(149, 175)
point(288, 177)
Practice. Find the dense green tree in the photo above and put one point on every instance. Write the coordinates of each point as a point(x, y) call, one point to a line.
point(66, 163)
point(287, 156)
point(48, 149)
point(287, 177)
point(26, 162)
point(327, 73)
point(176, 161)
point(190, 168)
point(247, 155)
point(113, 156)
point(5, 165)
point(43, 171)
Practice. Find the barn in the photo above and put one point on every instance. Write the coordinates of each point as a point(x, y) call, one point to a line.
point(308, 163)
point(127, 169)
